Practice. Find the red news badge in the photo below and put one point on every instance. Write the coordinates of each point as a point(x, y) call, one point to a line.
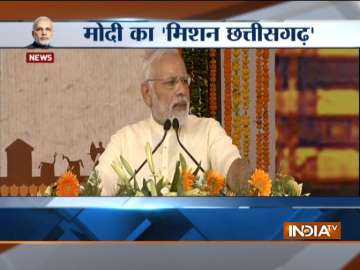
point(40, 57)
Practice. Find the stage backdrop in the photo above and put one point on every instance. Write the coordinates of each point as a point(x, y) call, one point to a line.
point(61, 115)
point(62, 108)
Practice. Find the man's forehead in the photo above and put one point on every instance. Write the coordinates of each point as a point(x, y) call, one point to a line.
point(44, 23)
point(168, 64)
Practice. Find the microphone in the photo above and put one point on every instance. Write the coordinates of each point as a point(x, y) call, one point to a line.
point(176, 126)
point(167, 126)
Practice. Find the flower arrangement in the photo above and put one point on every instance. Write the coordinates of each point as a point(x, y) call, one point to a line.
point(185, 182)
point(227, 92)
point(212, 83)
point(245, 94)
point(68, 186)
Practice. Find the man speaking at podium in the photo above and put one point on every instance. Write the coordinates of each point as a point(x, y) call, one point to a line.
point(202, 141)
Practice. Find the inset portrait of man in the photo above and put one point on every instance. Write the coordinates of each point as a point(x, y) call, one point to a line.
point(42, 32)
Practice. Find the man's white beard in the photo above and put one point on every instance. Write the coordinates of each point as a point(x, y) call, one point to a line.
point(169, 113)
point(180, 115)
point(44, 42)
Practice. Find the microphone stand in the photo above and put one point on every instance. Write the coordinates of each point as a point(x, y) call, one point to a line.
point(167, 126)
point(176, 126)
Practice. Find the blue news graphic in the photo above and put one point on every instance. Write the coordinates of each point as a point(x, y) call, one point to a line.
point(223, 219)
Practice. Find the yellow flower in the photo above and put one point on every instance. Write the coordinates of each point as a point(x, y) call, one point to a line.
point(260, 183)
point(68, 185)
point(215, 182)
point(187, 180)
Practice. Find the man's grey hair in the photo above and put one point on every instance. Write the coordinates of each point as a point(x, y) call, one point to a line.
point(151, 57)
point(38, 19)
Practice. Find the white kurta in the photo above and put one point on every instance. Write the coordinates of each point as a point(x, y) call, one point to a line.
point(204, 138)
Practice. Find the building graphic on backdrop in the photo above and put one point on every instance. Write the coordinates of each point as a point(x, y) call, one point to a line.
point(19, 157)
point(47, 169)
point(19, 179)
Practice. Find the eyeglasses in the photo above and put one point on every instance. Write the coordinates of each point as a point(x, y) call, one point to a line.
point(171, 83)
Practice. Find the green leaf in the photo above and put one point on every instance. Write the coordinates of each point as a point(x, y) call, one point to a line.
point(300, 189)
point(152, 188)
point(292, 188)
point(197, 169)
point(176, 178)
point(51, 190)
point(145, 189)
point(277, 187)
point(149, 158)
point(243, 192)
point(159, 185)
point(183, 163)
point(286, 178)
point(92, 186)
point(179, 186)
point(127, 166)
point(125, 190)
point(136, 185)
point(121, 175)
point(198, 183)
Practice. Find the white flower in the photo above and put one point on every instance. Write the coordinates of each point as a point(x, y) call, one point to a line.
point(120, 171)
point(164, 191)
point(47, 192)
point(139, 194)
point(192, 192)
point(171, 194)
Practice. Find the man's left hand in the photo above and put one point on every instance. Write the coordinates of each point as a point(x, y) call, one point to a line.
point(238, 175)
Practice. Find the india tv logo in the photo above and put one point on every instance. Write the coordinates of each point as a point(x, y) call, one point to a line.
point(312, 231)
